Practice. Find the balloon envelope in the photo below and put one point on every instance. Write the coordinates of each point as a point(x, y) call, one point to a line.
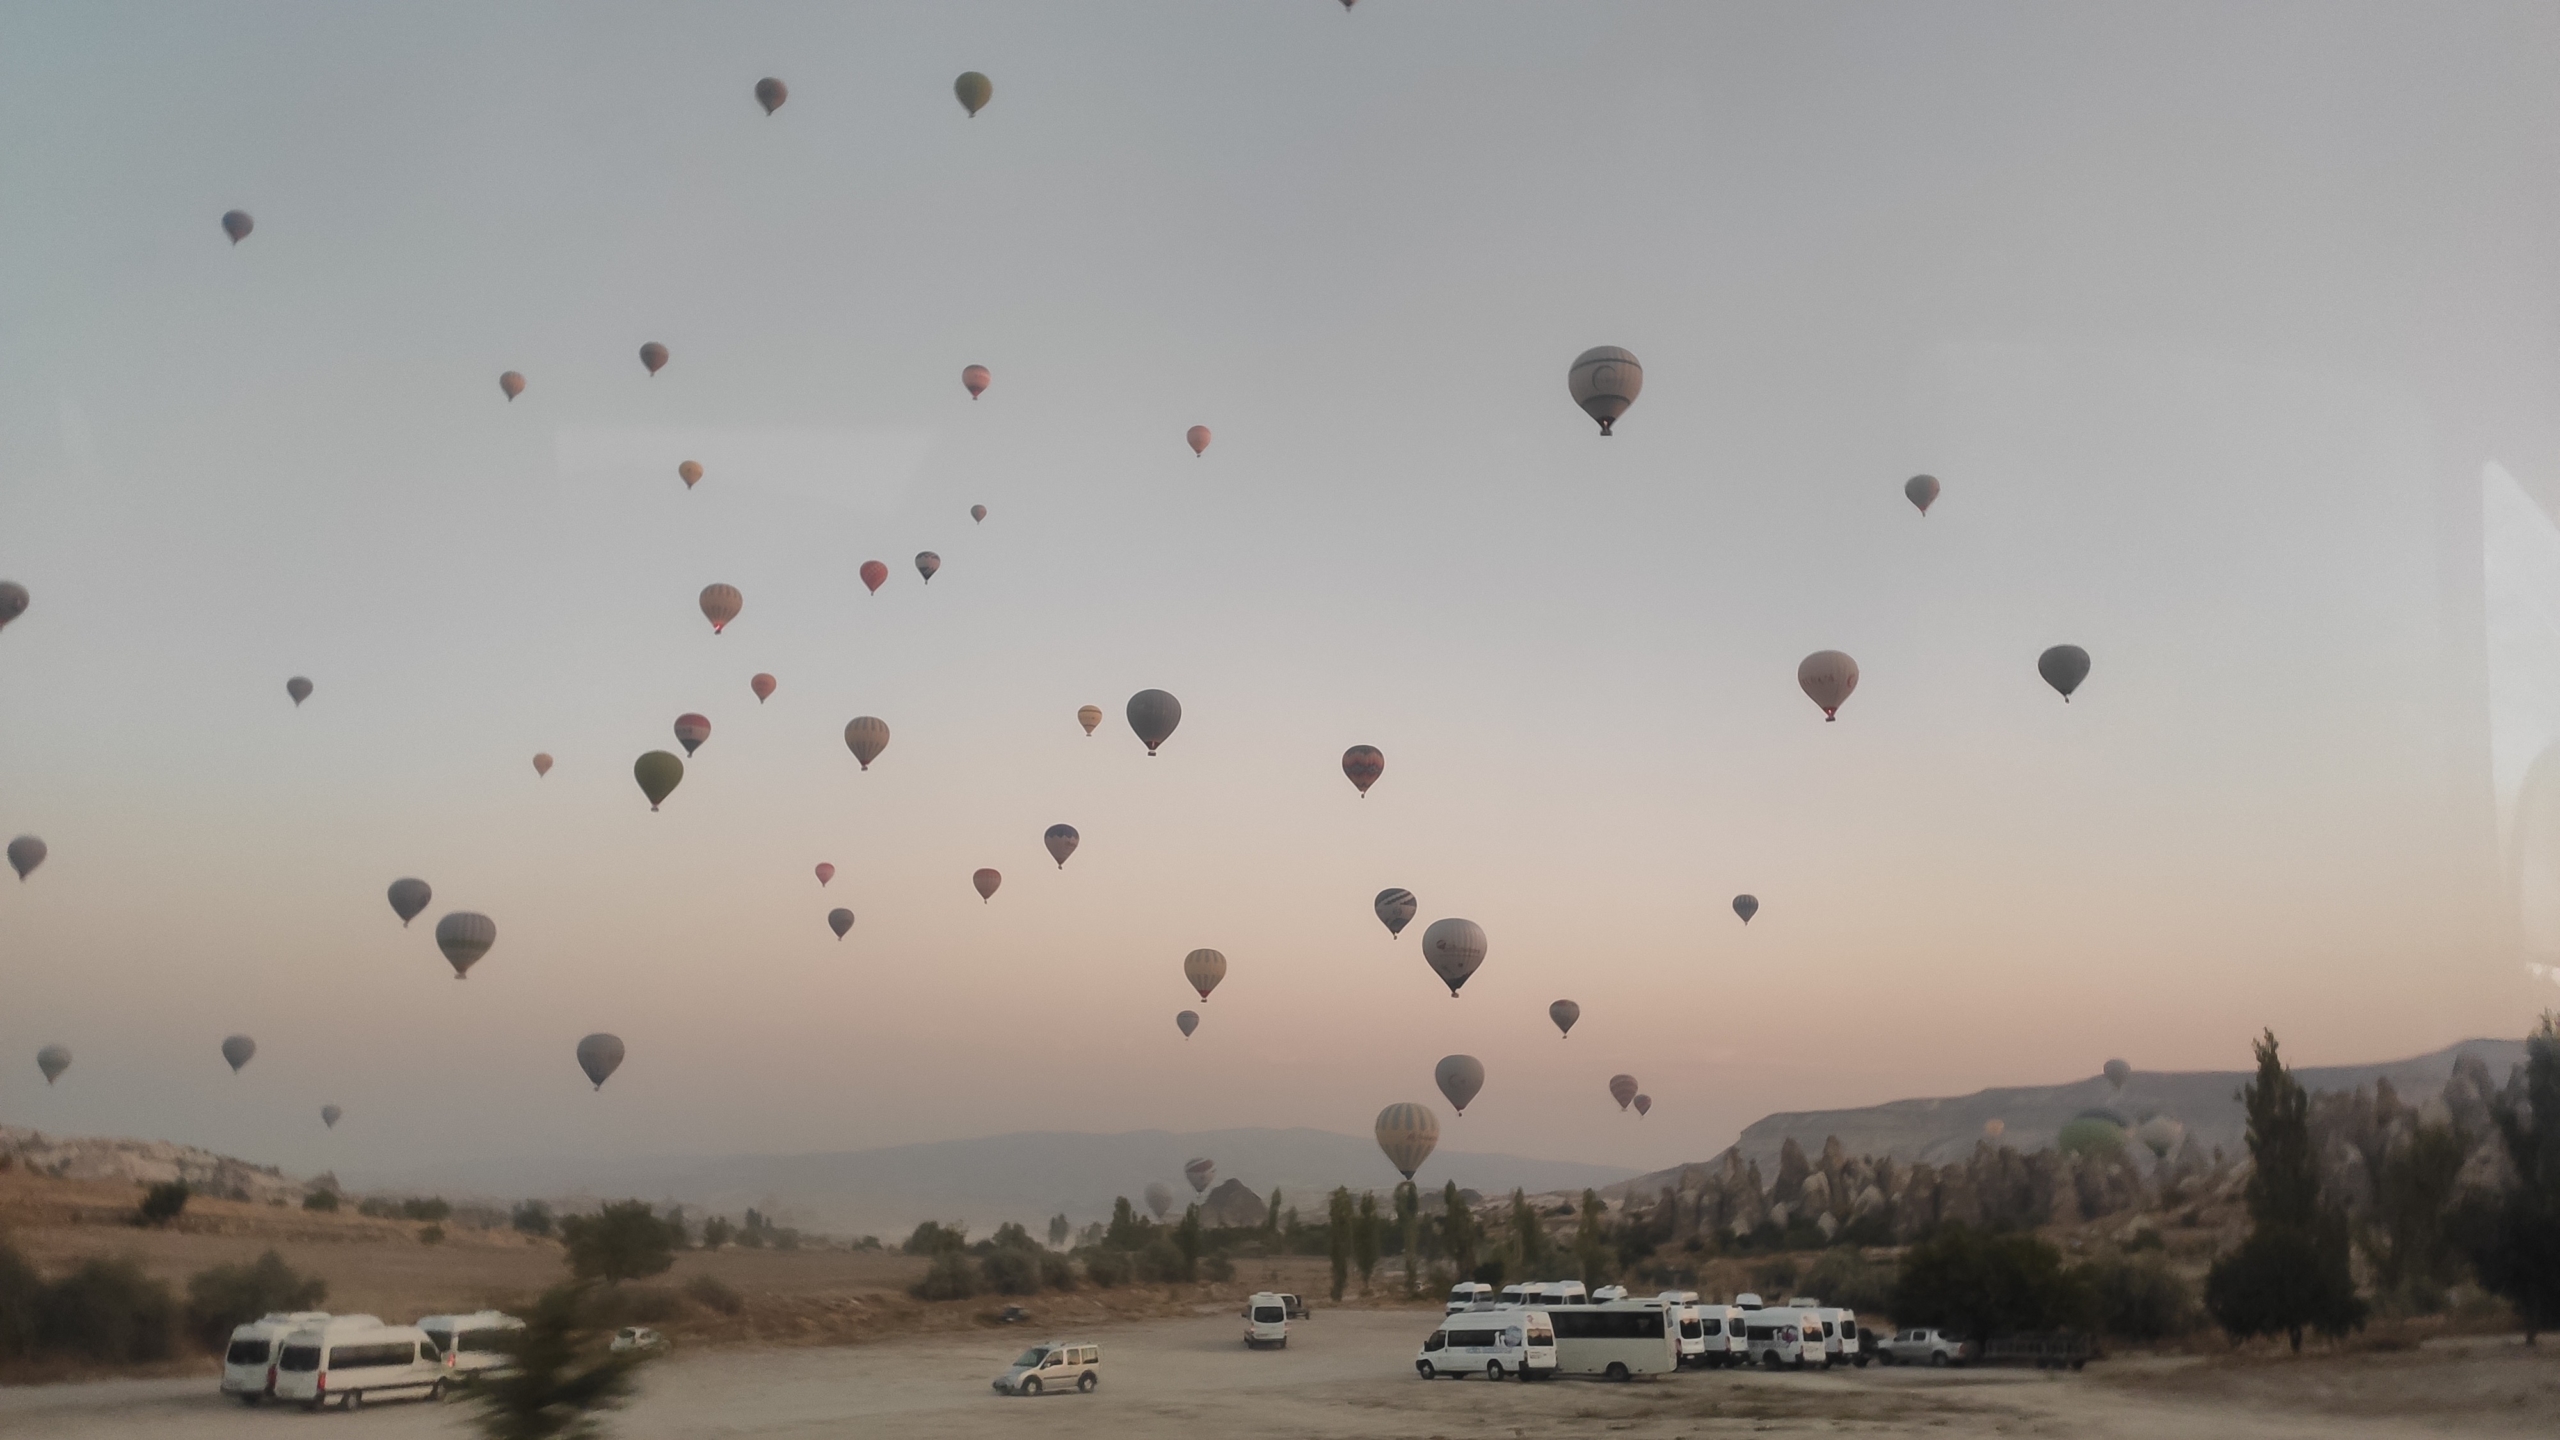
point(237, 1049)
point(13, 601)
point(1564, 1013)
point(1198, 438)
point(53, 1060)
point(826, 872)
point(770, 93)
point(978, 513)
point(720, 605)
point(1204, 969)
point(329, 1115)
point(2064, 667)
point(1453, 948)
point(1159, 1197)
point(653, 355)
point(1153, 714)
point(299, 688)
point(1921, 490)
point(986, 881)
point(1200, 1172)
point(1828, 678)
point(977, 378)
point(237, 225)
point(1994, 1126)
point(1746, 906)
point(866, 736)
point(25, 854)
point(1186, 1022)
point(1644, 1106)
point(691, 731)
point(1622, 1088)
point(1395, 909)
point(974, 90)
point(600, 1055)
point(541, 764)
point(689, 472)
point(1408, 1133)
point(926, 563)
point(464, 938)
point(1605, 380)
point(1088, 716)
point(1061, 840)
point(1363, 764)
point(512, 384)
point(1459, 1077)
point(658, 773)
point(764, 685)
point(409, 898)
point(2118, 1072)
point(874, 575)
point(839, 920)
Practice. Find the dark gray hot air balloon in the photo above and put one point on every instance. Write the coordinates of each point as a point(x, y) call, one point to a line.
point(237, 1049)
point(1622, 1088)
point(1746, 906)
point(1644, 1106)
point(1564, 1013)
point(1408, 1133)
point(1186, 1022)
point(978, 513)
point(770, 93)
point(600, 1055)
point(926, 563)
point(237, 225)
point(1159, 1197)
point(1153, 714)
point(299, 688)
point(329, 1115)
point(986, 882)
point(866, 736)
point(2064, 667)
point(13, 601)
point(1395, 909)
point(839, 920)
point(464, 937)
point(2118, 1072)
point(1453, 948)
point(1921, 490)
point(659, 773)
point(1204, 969)
point(1828, 678)
point(1459, 1077)
point(53, 1060)
point(25, 854)
point(974, 90)
point(1605, 380)
point(654, 355)
point(409, 899)
point(1061, 840)
point(1201, 1173)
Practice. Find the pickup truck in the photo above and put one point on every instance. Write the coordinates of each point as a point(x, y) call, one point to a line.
point(1924, 1346)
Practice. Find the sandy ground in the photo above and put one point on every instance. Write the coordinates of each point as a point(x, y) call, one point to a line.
point(1348, 1373)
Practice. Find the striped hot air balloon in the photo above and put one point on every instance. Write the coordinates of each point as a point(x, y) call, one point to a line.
point(1408, 1133)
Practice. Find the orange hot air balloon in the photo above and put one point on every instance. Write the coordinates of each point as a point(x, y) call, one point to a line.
point(512, 383)
point(977, 378)
point(874, 575)
point(689, 472)
point(653, 355)
point(763, 685)
point(720, 605)
point(1198, 435)
point(826, 872)
point(1364, 764)
point(986, 881)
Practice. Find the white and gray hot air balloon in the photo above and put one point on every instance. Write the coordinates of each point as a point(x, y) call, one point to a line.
point(1453, 948)
point(53, 1060)
point(600, 1055)
point(1159, 1198)
point(1153, 714)
point(1459, 1077)
point(1605, 380)
point(1408, 1133)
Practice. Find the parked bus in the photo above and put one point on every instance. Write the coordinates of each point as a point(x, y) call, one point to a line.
point(1616, 1342)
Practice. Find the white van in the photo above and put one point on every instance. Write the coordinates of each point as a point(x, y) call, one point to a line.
point(1617, 1342)
point(355, 1358)
point(1551, 1293)
point(1468, 1293)
point(1266, 1322)
point(1839, 1330)
point(1779, 1336)
point(1054, 1366)
point(1497, 1344)
point(473, 1345)
point(249, 1362)
point(1514, 1295)
point(1720, 1327)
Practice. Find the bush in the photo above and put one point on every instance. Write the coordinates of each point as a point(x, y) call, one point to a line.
point(952, 1277)
point(717, 1232)
point(623, 1241)
point(108, 1311)
point(532, 1218)
point(1107, 1269)
point(564, 1370)
point(1219, 1268)
point(229, 1295)
point(1010, 1270)
point(324, 1201)
point(1845, 1278)
point(1055, 1272)
point(935, 1238)
point(430, 1210)
point(707, 1292)
point(1162, 1262)
point(2138, 1297)
point(2282, 1281)
point(161, 1203)
point(374, 1207)
point(1986, 1285)
point(21, 1298)
point(430, 1234)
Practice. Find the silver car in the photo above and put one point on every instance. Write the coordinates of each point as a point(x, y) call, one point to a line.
point(1058, 1365)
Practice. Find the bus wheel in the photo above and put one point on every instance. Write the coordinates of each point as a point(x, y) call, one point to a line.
point(1616, 1370)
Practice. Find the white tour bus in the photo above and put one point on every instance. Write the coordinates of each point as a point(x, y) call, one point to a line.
point(1616, 1341)
point(355, 1358)
point(472, 1345)
point(249, 1363)
point(1468, 1293)
point(1778, 1335)
point(1497, 1344)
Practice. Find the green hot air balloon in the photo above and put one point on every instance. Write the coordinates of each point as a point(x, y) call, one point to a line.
point(974, 90)
point(658, 773)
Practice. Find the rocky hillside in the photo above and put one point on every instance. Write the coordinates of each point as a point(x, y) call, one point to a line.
point(145, 1162)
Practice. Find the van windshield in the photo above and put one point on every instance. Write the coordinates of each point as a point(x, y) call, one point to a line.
point(1031, 1357)
point(300, 1357)
point(246, 1352)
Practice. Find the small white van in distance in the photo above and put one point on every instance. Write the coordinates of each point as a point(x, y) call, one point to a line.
point(355, 1358)
point(1501, 1344)
point(249, 1362)
point(1552, 1293)
point(1839, 1330)
point(1780, 1336)
point(470, 1346)
point(1054, 1366)
point(1266, 1322)
point(1467, 1293)
point(1721, 1328)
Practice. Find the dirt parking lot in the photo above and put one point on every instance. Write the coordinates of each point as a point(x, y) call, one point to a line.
point(1348, 1373)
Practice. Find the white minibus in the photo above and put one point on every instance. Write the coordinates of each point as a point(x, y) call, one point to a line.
point(1468, 1293)
point(1616, 1341)
point(355, 1358)
point(1513, 1295)
point(1780, 1336)
point(1551, 1293)
point(472, 1345)
point(1496, 1344)
point(249, 1362)
point(1721, 1328)
point(1266, 1321)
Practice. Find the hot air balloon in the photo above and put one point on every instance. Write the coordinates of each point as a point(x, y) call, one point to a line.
point(689, 472)
point(2160, 1134)
point(1828, 678)
point(1088, 716)
point(978, 513)
point(299, 688)
point(653, 355)
point(691, 731)
point(987, 881)
point(658, 773)
point(1159, 1198)
point(977, 378)
point(1994, 1126)
point(1204, 969)
point(409, 899)
point(53, 1060)
point(1622, 1088)
point(826, 872)
point(464, 938)
point(1363, 764)
point(25, 854)
point(1459, 1077)
point(1198, 438)
point(237, 225)
point(770, 93)
point(764, 685)
point(1605, 380)
point(874, 575)
point(511, 383)
point(974, 90)
point(1644, 1106)
point(2096, 1134)
point(2064, 667)
point(1186, 1022)
point(720, 605)
point(541, 764)
point(1921, 490)
point(1201, 1173)
point(13, 601)
point(329, 1115)
point(866, 736)
point(1153, 714)
point(1453, 948)
point(1564, 1013)
point(237, 1049)
point(2118, 1072)
point(1395, 909)
point(1408, 1133)
point(926, 563)
point(1746, 906)
point(600, 1055)
point(1062, 841)
point(839, 920)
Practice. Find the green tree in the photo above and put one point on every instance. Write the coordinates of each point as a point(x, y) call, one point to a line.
point(935, 1238)
point(1409, 1221)
point(1127, 1231)
point(1186, 1241)
point(1591, 1242)
point(1530, 1234)
point(2517, 1249)
point(1059, 1229)
point(2292, 1273)
point(1337, 1227)
point(323, 1201)
point(1271, 1221)
point(229, 1295)
point(1364, 1238)
point(563, 1371)
point(1986, 1285)
point(622, 1241)
point(717, 1231)
point(2413, 1188)
point(161, 1203)
point(532, 1217)
point(1458, 1230)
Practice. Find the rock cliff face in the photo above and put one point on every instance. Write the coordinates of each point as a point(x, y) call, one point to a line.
point(1234, 1205)
point(146, 1162)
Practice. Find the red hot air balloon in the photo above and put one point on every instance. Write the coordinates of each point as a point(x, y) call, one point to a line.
point(826, 872)
point(986, 881)
point(977, 378)
point(874, 575)
point(1364, 764)
point(691, 731)
point(1198, 435)
point(1622, 1088)
point(512, 383)
point(763, 685)
point(654, 355)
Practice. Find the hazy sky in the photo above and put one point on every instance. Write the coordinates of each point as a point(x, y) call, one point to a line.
point(2209, 317)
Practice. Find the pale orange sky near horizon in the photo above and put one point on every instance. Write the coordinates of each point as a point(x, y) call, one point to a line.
point(2207, 320)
